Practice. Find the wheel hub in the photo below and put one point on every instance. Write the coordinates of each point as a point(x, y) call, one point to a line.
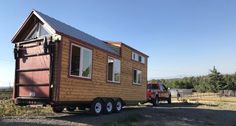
point(109, 107)
point(98, 107)
point(118, 106)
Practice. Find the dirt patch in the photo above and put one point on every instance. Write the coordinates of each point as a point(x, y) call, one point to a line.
point(178, 114)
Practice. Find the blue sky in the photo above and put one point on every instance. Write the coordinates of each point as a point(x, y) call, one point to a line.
point(182, 37)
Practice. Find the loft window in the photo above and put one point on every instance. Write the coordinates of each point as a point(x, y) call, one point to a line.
point(37, 31)
point(137, 57)
point(137, 76)
point(113, 70)
point(140, 58)
point(81, 61)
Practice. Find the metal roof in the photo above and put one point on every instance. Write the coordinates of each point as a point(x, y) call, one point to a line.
point(63, 28)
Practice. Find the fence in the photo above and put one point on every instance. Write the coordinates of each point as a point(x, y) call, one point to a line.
point(228, 93)
point(182, 92)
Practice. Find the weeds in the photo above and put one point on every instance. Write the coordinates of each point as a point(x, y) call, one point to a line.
point(8, 108)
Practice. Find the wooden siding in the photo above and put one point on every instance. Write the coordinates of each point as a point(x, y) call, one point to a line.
point(77, 89)
point(56, 70)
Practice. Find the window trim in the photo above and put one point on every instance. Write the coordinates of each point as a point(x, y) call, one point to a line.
point(137, 76)
point(81, 62)
point(116, 82)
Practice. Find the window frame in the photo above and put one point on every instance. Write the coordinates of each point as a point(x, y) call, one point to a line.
point(117, 82)
point(81, 61)
point(141, 80)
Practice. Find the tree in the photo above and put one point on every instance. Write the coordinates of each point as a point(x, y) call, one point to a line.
point(230, 81)
point(216, 80)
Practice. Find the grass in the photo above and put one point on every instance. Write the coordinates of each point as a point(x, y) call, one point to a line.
point(129, 121)
point(212, 101)
point(5, 95)
point(8, 108)
point(217, 105)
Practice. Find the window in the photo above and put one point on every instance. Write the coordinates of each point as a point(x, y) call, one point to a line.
point(138, 58)
point(149, 86)
point(143, 60)
point(163, 87)
point(113, 70)
point(152, 86)
point(134, 56)
point(81, 61)
point(38, 31)
point(137, 76)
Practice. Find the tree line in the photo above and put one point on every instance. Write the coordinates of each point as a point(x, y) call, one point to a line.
point(212, 82)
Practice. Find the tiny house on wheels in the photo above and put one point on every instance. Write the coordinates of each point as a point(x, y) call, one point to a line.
point(61, 66)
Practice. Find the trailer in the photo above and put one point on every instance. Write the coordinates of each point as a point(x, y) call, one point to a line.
point(61, 66)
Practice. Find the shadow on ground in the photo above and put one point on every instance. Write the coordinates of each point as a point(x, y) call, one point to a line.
point(22, 124)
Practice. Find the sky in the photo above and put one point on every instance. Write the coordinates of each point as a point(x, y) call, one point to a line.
point(181, 37)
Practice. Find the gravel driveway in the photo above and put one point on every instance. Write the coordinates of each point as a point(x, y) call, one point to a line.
point(177, 114)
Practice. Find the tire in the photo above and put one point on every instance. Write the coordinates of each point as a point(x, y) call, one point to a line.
point(118, 106)
point(108, 106)
point(57, 109)
point(155, 101)
point(97, 107)
point(70, 108)
point(169, 100)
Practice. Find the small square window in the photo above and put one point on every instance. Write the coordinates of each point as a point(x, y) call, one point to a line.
point(138, 57)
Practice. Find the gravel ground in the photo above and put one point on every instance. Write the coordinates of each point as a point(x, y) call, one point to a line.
point(177, 114)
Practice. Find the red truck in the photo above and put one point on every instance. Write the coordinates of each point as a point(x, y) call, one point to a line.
point(156, 92)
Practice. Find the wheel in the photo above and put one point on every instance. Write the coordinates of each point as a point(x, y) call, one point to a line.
point(118, 106)
point(57, 109)
point(96, 107)
point(155, 101)
point(70, 108)
point(169, 100)
point(108, 106)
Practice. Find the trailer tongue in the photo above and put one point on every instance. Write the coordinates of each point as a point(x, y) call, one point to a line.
point(33, 74)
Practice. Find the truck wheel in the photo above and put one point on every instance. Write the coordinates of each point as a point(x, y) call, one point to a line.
point(57, 109)
point(155, 101)
point(97, 107)
point(70, 108)
point(118, 106)
point(169, 100)
point(108, 106)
